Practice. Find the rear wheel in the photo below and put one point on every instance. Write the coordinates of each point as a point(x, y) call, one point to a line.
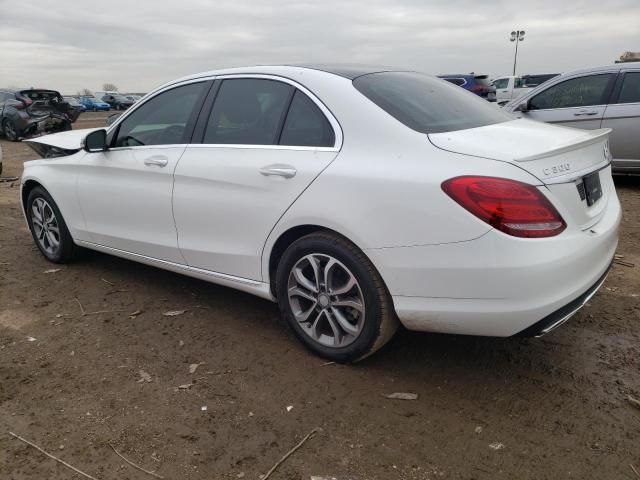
point(9, 130)
point(333, 298)
point(48, 228)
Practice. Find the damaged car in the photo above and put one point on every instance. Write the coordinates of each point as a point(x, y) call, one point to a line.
point(33, 111)
point(357, 198)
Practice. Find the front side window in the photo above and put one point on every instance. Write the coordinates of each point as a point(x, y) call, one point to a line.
point(630, 91)
point(427, 104)
point(501, 83)
point(247, 111)
point(162, 120)
point(306, 125)
point(575, 92)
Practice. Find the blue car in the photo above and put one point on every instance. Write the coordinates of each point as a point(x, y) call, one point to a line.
point(92, 103)
point(478, 84)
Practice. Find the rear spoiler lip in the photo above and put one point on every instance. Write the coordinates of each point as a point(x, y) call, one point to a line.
point(592, 136)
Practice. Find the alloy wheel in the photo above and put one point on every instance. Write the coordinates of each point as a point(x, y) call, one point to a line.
point(326, 300)
point(45, 225)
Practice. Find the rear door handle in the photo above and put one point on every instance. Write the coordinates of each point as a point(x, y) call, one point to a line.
point(583, 113)
point(278, 170)
point(158, 160)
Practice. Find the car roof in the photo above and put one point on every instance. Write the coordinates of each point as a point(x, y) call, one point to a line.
point(465, 75)
point(602, 68)
point(347, 71)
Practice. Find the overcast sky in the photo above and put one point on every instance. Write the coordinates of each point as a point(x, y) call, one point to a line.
point(73, 44)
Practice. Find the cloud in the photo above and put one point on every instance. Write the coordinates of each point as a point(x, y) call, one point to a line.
point(137, 45)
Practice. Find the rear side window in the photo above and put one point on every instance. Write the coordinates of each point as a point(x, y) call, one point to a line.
point(575, 92)
point(456, 81)
point(630, 91)
point(306, 125)
point(426, 104)
point(247, 111)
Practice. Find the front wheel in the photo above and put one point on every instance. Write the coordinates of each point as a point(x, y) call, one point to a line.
point(333, 298)
point(48, 228)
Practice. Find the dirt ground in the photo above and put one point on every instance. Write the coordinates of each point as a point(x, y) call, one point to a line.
point(549, 408)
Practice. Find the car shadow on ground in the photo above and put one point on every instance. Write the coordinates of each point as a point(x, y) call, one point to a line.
point(408, 353)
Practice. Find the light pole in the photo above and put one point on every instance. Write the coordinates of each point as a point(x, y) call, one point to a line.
point(516, 36)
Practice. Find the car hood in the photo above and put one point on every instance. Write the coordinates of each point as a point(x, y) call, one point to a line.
point(551, 153)
point(59, 144)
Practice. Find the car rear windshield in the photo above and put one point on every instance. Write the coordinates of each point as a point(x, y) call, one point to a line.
point(427, 104)
point(483, 80)
point(36, 95)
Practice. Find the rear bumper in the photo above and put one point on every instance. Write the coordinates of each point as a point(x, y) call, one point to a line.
point(557, 318)
point(498, 285)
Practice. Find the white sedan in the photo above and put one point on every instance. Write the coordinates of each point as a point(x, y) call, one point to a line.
point(356, 198)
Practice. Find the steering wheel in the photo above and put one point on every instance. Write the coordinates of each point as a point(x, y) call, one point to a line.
point(130, 141)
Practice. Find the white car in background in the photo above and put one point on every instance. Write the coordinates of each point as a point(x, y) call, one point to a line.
point(356, 198)
point(593, 98)
point(511, 87)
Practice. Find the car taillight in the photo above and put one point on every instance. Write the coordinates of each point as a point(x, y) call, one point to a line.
point(477, 89)
point(513, 207)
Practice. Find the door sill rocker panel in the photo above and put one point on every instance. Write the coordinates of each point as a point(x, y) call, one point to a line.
point(254, 287)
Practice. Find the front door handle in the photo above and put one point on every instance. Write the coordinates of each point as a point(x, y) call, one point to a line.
point(158, 160)
point(278, 170)
point(583, 113)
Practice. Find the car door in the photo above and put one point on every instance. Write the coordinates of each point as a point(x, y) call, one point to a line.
point(575, 102)
point(262, 143)
point(623, 116)
point(503, 93)
point(125, 191)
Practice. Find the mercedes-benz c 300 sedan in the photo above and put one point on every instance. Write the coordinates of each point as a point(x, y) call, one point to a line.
point(357, 198)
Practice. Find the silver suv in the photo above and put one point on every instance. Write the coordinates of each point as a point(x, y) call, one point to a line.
point(600, 97)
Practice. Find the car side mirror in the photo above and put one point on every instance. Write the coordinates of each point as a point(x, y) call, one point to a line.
point(522, 107)
point(96, 141)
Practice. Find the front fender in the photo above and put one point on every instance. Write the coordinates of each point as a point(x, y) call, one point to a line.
point(59, 178)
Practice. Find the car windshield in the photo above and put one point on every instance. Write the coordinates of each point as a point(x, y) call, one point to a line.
point(427, 104)
point(120, 98)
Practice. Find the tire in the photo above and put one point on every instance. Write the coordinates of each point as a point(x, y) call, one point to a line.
point(321, 320)
point(9, 130)
point(66, 250)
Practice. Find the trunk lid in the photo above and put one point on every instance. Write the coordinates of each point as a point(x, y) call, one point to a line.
point(571, 163)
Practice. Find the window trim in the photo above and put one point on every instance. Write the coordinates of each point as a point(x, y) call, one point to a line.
point(206, 112)
point(618, 89)
point(607, 94)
